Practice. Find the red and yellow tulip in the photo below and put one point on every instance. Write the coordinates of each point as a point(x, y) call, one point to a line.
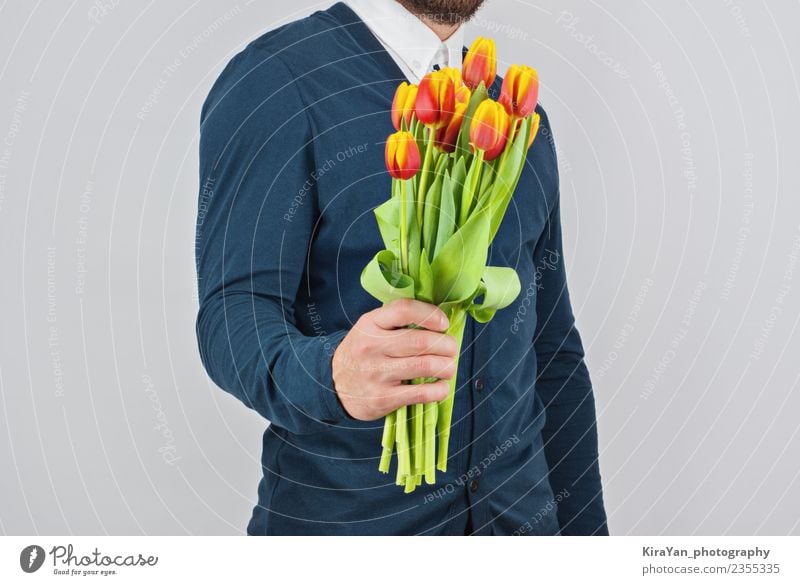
point(403, 104)
point(447, 136)
point(435, 102)
point(454, 75)
point(480, 63)
point(520, 91)
point(489, 129)
point(402, 155)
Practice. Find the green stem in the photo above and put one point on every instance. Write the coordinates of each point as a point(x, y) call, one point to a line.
point(471, 184)
point(419, 454)
point(395, 428)
point(458, 319)
point(412, 428)
point(403, 227)
point(401, 437)
point(387, 442)
point(431, 412)
point(423, 179)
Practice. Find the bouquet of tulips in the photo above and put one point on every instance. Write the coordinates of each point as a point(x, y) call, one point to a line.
point(455, 159)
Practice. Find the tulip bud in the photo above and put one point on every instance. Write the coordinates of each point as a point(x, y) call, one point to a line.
point(455, 76)
point(534, 129)
point(463, 95)
point(403, 104)
point(447, 136)
point(435, 99)
point(520, 91)
point(480, 63)
point(402, 155)
point(489, 129)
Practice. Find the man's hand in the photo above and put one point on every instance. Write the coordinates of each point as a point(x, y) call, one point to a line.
point(379, 353)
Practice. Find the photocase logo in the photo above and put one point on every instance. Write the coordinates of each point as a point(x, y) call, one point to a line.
point(31, 558)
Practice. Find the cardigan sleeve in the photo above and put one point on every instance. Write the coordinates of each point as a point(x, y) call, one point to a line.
point(255, 218)
point(564, 386)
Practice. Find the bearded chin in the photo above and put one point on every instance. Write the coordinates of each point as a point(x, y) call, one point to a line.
point(446, 11)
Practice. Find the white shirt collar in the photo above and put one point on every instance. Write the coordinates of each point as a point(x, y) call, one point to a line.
point(411, 43)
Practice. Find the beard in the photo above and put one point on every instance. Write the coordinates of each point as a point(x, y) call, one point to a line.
point(445, 11)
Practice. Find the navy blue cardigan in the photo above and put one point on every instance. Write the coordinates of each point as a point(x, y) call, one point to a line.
point(291, 167)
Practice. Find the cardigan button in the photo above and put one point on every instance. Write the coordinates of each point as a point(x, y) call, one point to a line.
point(479, 384)
point(473, 486)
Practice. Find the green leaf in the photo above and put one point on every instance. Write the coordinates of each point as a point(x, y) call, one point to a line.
point(419, 136)
point(418, 130)
point(382, 280)
point(431, 213)
point(458, 178)
point(462, 143)
point(414, 236)
point(487, 180)
point(447, 215)
point(387, 215)
point(424, 290)
point(459, 174)
point(499, 287)
point(468, 196)
point(458, 267)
